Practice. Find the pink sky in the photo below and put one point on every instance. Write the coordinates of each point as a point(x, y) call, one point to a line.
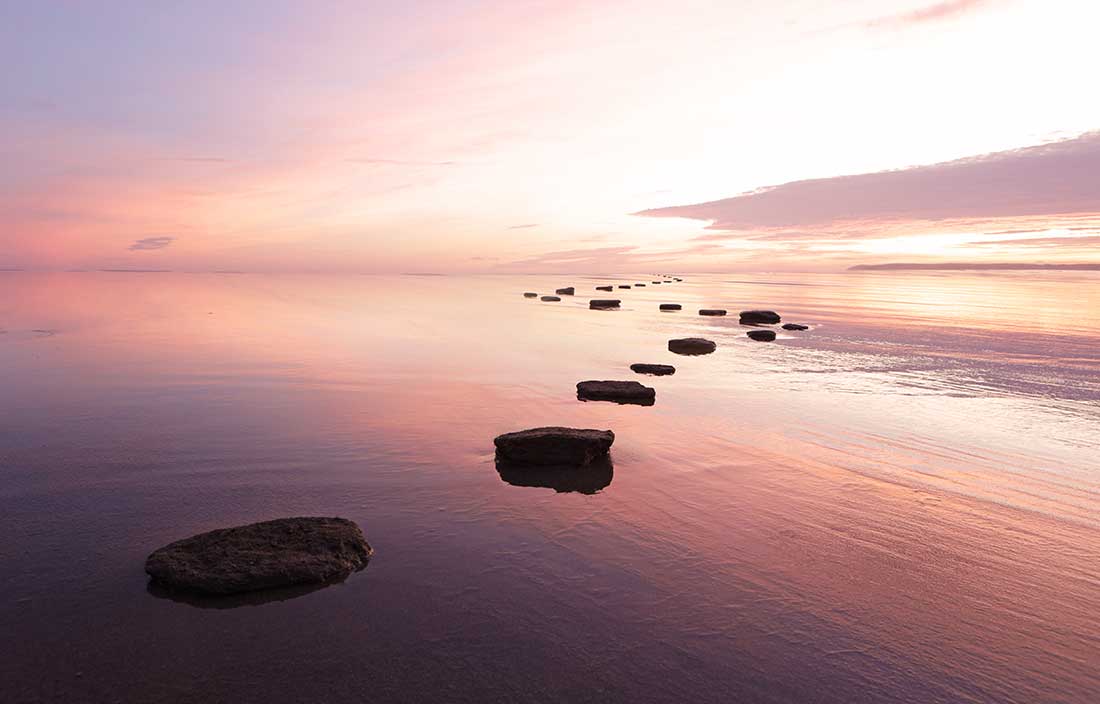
point(511, 136)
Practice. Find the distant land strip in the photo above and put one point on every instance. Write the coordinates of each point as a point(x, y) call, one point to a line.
point(975, 266)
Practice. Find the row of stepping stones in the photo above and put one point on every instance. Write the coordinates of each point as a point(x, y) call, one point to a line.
point(595, 303)
point(747, 317)
point(571, 448)
point(317, 550)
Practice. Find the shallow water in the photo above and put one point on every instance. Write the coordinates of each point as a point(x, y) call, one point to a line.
point(901, 504)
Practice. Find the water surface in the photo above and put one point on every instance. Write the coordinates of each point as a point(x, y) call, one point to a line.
point(901, 504)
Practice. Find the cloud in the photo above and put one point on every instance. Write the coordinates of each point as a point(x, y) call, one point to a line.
point(929, 13)
point(197, 159)
point(151, 243)
point(1062, 242)
point(1049, 180)
point(975, 266)
point(400, 162)
point(523, 227)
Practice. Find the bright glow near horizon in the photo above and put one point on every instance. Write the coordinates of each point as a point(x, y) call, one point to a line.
point(510, 136)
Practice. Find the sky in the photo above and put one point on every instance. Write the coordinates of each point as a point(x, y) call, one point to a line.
point(503, 135)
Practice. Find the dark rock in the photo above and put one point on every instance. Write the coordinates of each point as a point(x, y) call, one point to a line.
point(530, 294)
point(617, 391)
point(279, 553)
point(605, 288)
point(691, 345)
point(670, 306)
point(761, 335)
point(624, 285)
point(654, 369)
point(642, 285)
point(554, 446)
point(550, 298)
point(759, 317)
point(795, 326)
point(677, 279)
point(604, 303)
point(656, 282)
point(587, 479)
point(568, 291)
point(712, 311)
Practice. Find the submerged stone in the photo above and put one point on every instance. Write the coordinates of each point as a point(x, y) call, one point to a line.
point(670, 306)
point(712, 311)
point(554, 446)
point(604, 303)
point(759, 317)
point(624, 285)
point(761, 335)
point(604, 288)
point(691, 345)
point(654, 369)
point(567, 291)
point(795, 326)
point(530, 294)
point(617, 391)
point(550, 298)
point(279, 553)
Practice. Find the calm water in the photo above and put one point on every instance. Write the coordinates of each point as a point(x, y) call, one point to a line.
point(900, 505)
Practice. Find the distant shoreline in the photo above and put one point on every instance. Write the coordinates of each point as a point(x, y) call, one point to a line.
point(973, 266)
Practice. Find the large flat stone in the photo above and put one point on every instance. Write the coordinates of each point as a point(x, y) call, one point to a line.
point(266, 555)
point(654, 369)
point(691, 345)
point(554, 446)
point(618, 391)
point(759, 317)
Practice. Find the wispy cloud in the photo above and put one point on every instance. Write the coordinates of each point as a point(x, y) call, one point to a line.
point(399, 162)
point(929, 13)
point(523, 227)
point(151, 243)
point(197, 159)
point(1050, 180)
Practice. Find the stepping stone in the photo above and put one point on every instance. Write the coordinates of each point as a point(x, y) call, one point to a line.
point(656, 282)
point(530, 294)
point(568, 291)
point(604, 303)
point(279, 553)
point(759, 317)
point(550, 298)
point(761, 335)
point(642, 285)
point(671, 306)
point(691, 345)
point(654, 369)
point(554, 446)
point(712, 311)
point(617, 391)
point(795, 326)
point(624, 285)
point(604, 288)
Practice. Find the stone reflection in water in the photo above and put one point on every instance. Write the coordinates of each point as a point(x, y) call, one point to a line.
point(234, 601)
point(585, 479)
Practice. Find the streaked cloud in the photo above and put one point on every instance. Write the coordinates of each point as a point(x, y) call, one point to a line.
point(1057, 179)
point(146, 243)
point(929, 13)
